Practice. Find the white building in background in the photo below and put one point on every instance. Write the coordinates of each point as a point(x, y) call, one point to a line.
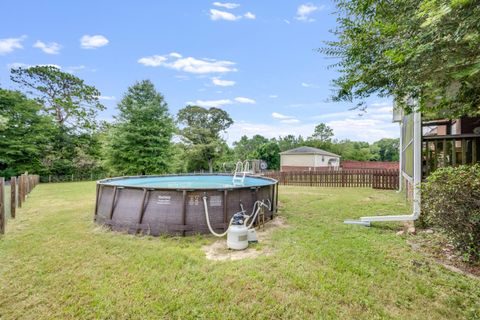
point(308, 159)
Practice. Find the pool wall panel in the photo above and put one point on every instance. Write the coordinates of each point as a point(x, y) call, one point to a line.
point(157, 211)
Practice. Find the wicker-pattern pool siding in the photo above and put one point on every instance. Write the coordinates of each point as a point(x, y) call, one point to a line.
point(157, 211)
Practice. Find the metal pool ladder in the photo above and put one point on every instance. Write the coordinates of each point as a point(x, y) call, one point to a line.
point(241, 169)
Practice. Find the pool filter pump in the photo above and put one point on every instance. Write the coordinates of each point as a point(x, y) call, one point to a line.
point(237, 233)
point(240, 230)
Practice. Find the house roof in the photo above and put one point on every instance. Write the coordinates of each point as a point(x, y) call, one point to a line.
point(309, 150)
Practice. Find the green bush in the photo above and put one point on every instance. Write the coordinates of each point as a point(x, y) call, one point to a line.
point(451, 201)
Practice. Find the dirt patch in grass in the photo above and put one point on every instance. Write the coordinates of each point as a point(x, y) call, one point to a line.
point(433, 244)
point(218, 251)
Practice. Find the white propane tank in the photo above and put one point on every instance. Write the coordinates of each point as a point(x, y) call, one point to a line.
point(237, 237)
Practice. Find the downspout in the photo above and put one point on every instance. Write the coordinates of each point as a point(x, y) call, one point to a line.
point(400, 159)
point(417, 177)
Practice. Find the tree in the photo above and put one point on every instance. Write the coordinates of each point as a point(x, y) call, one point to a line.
point(421, 49)
point(270, 153)
point(201, 132)
point(323, 133)
point(25, 134)
point(62, 95)
point(387, 149)
point(140, 140)
point(245, 147)
point(289, 142)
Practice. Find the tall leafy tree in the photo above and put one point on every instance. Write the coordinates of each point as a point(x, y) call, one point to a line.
point(289, 142)
point(245, 147)
point(200, 130)
point(387, 149)
point(421, 49)
point(62, 95)
point(25, 134)
point(140, 140)
point(322, 133)
point(270, 153)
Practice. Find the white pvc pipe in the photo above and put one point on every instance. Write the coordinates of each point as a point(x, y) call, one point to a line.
point(417, 177)
point(254, 213)
point(400, 159)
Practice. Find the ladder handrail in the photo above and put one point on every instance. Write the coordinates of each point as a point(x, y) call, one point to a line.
point(240, 167)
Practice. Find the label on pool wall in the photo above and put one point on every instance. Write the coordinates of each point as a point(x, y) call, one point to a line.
point(164, 199)
point(215, 201)
point(193, 200)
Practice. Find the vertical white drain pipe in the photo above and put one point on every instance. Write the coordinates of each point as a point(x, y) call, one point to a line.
point(400, 158)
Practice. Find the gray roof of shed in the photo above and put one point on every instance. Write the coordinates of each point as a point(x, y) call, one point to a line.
point(309, 150)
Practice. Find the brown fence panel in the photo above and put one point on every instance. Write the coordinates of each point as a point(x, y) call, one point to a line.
point(351, 178)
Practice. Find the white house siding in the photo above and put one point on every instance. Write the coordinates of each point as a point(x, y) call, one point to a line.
point(298, 160)
point(307, 161)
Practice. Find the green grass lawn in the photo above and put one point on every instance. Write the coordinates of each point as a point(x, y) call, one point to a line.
point(56, 263)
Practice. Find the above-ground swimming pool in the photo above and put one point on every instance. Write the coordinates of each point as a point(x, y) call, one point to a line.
point(174, 204)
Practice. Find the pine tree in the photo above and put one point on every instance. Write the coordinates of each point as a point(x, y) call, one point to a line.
point(140, 140)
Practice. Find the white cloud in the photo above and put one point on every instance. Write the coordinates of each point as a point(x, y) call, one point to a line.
point(227, 5)
point(111, 98)
point(92, 42)
point(182, 77)
point(273, 96)
point(223, 15)
point(189, 64)
point(369, 130)
point(220, 102)
point(152, 61)
point(305, 10)
point(73, 69)
point(245, 100)
point(388, 110)
point(193, 65)
point(7, 45)
point(284, 118)
point(356, 125)
point(309, 85)
point(353, 129)
point(210, 103)
point(280, 116)
point(175, 54)
point(49, 48)
point(290, 121)
point(342, 114)
point(222, 83)
point(240, 128)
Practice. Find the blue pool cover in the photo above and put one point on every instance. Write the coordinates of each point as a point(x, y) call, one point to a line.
point(186, 182)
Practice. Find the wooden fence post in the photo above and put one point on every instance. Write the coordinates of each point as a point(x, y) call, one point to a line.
point(2, 206)
point(24, 187)
point(19, 195)
point(13, 196)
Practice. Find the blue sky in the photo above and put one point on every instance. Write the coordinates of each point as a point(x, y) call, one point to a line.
point(254, 59)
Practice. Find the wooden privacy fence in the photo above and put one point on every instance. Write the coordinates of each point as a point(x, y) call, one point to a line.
point(374, 178)
point(19, 189)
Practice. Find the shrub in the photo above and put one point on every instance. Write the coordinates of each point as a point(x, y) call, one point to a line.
point(451, 201)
